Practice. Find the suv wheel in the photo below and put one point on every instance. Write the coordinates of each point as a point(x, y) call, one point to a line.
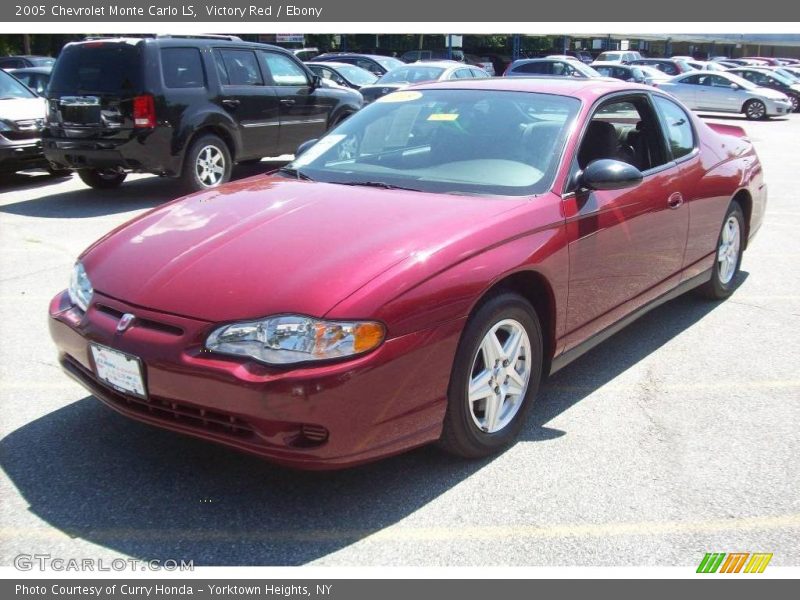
point(102, 179)
point(208, 164)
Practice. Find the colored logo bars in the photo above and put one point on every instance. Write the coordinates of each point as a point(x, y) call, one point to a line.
point(733, 562)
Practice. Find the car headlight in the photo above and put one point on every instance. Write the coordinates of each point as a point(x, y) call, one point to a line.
point(289, 339)
point(80, 288)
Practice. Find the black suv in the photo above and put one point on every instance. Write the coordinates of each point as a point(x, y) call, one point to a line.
point(182, 106)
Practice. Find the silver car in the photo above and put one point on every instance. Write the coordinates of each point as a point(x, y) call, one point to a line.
point(725, 92)
point(22, 115)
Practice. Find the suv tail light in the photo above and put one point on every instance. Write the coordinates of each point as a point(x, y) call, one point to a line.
point(144, 111)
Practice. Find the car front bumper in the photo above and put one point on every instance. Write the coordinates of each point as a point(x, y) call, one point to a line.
point(319, 417)
point(20, 156)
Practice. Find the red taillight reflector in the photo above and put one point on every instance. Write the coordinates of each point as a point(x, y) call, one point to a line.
point(144, 111)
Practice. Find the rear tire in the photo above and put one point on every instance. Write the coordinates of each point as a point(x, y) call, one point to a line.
point(53, 172)
point(728, 257)
point(755, 110)
point(102, 179)
point(494, 380)
point(207, 164)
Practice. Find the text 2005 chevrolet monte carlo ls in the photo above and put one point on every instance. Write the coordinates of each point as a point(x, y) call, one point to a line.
point(411, 276)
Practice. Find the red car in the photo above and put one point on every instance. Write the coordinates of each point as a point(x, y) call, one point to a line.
point(411, 276)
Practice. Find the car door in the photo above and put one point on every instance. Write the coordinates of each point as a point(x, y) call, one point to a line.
point(625, 246)
point(304, 108)
point(252, 104)
point(685, 90)
point(719, 95)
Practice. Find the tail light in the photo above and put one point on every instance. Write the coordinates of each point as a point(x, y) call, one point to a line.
point(144, 111)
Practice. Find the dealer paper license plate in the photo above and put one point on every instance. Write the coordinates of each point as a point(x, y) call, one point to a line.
point(121, 371)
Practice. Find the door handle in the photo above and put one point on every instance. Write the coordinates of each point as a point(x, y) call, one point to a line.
point(231, 103)
point(675, 200)
point(287, 101)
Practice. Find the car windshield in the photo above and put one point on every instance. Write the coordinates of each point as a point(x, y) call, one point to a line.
point(781, 78)
point(11, 89)
point(98, 67)
point(447, 141)
point(792, 77)
point(357, 75)
point(609, 56)
point(389, 63)
point(412, 74)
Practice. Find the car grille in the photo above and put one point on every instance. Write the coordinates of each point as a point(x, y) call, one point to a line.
point(140, 322)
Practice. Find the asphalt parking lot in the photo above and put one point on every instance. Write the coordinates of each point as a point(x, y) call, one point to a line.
point(676, 437)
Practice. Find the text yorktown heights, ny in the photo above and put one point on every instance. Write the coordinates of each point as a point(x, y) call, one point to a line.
point(252, 11)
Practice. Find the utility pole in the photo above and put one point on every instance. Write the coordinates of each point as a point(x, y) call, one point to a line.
point(26, 43)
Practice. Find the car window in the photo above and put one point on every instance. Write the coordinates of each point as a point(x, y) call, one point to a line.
point(692, 79)
point(537, 68)
point(446, 140)
point(461, 74)
point(98, 67)
point(625, 130)
point(416, 73)
point(11, 63)
point(678, 127)
point(479, 73)
point(716, 81)
point(11, 88)
point(238, 67)
point(284, 70)
point(368, 65)
point(182, 68)
point(358, 75)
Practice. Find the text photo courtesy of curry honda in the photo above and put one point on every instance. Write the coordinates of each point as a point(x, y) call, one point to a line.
point(456, 275)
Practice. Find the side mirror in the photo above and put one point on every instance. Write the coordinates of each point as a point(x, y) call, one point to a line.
point(734, 86)
point(305, 146)
point(608, 174)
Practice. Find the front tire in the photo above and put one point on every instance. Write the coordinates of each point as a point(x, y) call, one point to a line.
point(102, 179)
point(495, 377)
point(207, 164)
point(755, 110)
point(728, 257)
point(795, 103)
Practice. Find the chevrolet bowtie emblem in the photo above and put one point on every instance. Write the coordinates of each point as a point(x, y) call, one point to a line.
point(125, 322)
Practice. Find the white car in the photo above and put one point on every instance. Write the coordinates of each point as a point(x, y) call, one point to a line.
point(618, 56)
point(705, 65)
point(725, 92)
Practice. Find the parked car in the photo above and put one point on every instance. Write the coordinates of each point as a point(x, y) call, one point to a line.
point(305, 54)
point(420, 72)
point(727, 64)
point(220, 100)
point(438, 54)
point(483, 62)
point(500, 62)
point(618, 56)
point(631, 73)
point(36, 78)
point(554, 67)
point(25, 60)
point(374, 63)
point(767, 60)
point(668, 65)
point(21, 120)
point(705, 65)
point(343, 74)
point(582, 55)
point(726, 92)
point(789, 61)
point(768, 78)
point(437, 319)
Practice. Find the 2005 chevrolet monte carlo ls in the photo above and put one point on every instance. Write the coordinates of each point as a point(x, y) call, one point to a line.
point(411, 276)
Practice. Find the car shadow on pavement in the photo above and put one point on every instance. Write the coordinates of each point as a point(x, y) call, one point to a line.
point(28, 180)
point(156, 495)
point(86, 202)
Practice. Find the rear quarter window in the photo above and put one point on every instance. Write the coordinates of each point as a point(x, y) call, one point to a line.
point(182, 68)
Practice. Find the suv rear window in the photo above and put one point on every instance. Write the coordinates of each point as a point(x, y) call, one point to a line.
point(182, 68)
point(98, 67)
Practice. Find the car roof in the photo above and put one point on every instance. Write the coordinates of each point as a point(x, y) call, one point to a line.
point(442, 64)
point(333, 64)
point(182, 40)
point(372, 56)
point(42, 70)
point(588, 89)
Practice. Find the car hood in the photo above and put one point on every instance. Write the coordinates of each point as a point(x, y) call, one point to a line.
point(271, 245)
point(770, 93)
point(20, 109)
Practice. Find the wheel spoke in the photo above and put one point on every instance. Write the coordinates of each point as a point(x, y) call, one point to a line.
point(492, 350)
point(513, 346)
point(493, 405)
point(516, 382)
point(479, 387)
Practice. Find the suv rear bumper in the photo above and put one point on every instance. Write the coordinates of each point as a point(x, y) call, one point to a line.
point(148, 152)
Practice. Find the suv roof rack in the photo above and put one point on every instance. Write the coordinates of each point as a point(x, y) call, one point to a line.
point(199, 36)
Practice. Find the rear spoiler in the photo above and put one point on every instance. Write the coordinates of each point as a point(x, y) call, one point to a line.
point(732, 130)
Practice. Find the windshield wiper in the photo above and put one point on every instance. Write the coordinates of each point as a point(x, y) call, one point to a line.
point(377, 184)
point(293, 172)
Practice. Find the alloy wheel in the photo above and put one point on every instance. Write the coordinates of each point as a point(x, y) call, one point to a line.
point(210, 166)
point(501, 370)
point(756, 110)
point(728, 252)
